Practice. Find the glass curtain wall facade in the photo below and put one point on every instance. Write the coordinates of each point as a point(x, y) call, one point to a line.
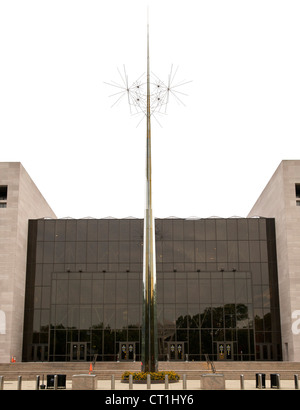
point(216, 283)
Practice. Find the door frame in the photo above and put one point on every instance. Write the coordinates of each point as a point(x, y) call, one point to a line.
point(78, 359)
point(178, 348)
point(226, 347)
point(40, 352)
point(125, 352)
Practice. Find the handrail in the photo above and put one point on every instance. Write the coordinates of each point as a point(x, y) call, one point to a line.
point(210, 363)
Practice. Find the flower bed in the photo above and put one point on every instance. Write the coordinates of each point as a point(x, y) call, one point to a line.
point(156, 377)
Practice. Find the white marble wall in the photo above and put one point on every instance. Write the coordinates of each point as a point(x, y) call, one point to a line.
point(278, 200)
point(24, 201)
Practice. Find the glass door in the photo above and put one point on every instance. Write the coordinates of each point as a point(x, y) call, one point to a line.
point(40, 353)
point(176, 350)
point(78, 352)
point(127, 351)
point(225, 350)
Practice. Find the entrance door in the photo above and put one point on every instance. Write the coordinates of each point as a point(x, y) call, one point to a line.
point(127, 351)
point(264, 351)
point(78, 352)
point(40, 353)
point(225, 350)
point(176, 350)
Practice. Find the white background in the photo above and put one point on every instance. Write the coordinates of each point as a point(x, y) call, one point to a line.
point(212, 157)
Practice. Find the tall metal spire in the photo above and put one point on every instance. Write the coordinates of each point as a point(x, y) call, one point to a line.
point(149, 98)
point(149, 329)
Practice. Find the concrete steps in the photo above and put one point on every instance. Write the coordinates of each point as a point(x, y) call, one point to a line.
point(233, 370)
point(193, 370)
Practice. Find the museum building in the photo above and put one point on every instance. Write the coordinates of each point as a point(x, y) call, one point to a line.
point(71, 289)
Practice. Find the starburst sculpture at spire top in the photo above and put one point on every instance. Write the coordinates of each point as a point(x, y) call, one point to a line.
point(136, 93)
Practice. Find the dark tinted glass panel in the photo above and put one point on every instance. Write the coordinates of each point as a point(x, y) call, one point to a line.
point(103, 230)
point(124, 252)
point(136, 230)
point(243, 251)
point(85, 291)
point(74, 291)
point(70, 252)
point(178, 252)
point(62, 288)
point(216, 279)
point(205, 291)
point(221, 230)
point(222, 251)
point(109, 291)
point(181, 291)
point(229, 291)
point(113, 232)
point(92, 230)
point(188, 230)
point(81, 252)
point(169, 291)
point(97, 291)
point(177, 230)
point(124, 230)
point(232, 229)
point(60, 231)
point(253, 229)
point(103, 252)
point(48, 252)
point(82, 230)
point(232, 251)
point(121, 291)
point(200, 230)
point(210, 229)
point(167, 249)
point(193, 290)
point(136, 250)
point(211, 251)
point(59, 252)
point(254, 251)
point(49, 231)
point(92, 252)
point(71, 230)
point(242, 229)
point(200, 250)
point(262, 229)
point(189, 251)
point(217, 291)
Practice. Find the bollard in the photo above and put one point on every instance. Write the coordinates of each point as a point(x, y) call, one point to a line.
point(184, 382)
point(55, 381)
point(130, 382)
point(296, 381)
point(37, 383)
point(259, 381)
point(242, 382)
point(1, 382)
point(278, 380)
point(148, 382)
point(113, 384)
point(166, 382)
point(19, 385)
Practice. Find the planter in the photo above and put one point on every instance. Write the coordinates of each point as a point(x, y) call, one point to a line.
point(157, 377)
point(152, 381)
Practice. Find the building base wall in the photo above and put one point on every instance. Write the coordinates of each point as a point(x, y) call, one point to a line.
point(279, 201)
point(24, 201)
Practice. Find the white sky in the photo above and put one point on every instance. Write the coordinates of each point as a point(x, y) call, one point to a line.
point(210, 158)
